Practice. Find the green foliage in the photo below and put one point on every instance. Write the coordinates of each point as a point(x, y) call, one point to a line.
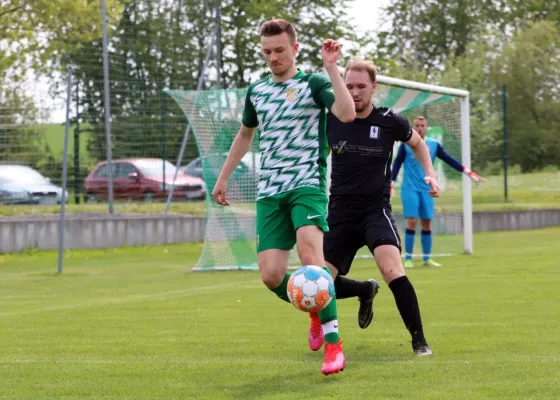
point(482, 46)
point(163, 45)
point(479, 46)
point(424, 34)
point(314, 21)
point(528, 67)
point(20, 141)
point(38, 32)
point(471, 72)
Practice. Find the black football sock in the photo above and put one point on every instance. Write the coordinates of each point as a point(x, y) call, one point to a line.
point(345, 287)
point(407, 303)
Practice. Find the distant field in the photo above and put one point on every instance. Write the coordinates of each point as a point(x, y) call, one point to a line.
point(136, 323)
point(537, 190)
point(526, 191)
point(192, 208)
point(54, 136)
point(529, 191)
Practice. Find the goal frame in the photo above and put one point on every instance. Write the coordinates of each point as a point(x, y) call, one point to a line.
point(461, 97)
point(465, 128)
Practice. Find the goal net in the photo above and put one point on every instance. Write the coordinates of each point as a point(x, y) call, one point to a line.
point(230, 236)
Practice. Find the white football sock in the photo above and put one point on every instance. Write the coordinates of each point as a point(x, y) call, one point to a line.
point(330, 327)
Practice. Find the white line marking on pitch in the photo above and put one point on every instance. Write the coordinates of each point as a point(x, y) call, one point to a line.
point(135, 298)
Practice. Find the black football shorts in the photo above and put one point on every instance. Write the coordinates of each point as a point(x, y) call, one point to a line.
point(346, 236)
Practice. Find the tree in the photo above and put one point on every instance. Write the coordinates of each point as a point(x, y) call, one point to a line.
point(39, 32)
point(425, 34)
point(472, 71)
point(528, 67)
point(158, 45)
point(20, 140)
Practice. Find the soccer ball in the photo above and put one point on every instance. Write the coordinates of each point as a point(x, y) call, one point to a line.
point(310, 288)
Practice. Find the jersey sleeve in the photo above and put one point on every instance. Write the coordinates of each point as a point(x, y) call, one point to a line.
point(448, 159)
point(322, 90)
point(249, 113)
point(403, 131)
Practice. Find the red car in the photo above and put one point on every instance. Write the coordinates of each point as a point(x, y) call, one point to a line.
point(141, 179)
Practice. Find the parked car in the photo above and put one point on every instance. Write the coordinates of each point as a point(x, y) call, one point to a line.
point(141, 179)
point(250, 164)
point(243, 181)
point(20, 184)
point(9, 195)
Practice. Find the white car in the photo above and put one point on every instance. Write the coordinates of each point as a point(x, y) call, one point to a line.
point(29, 184)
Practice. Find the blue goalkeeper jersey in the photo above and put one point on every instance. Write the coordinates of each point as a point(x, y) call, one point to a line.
point(414, 174)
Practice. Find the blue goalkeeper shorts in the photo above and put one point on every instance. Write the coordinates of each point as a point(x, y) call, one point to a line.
point(417, 204)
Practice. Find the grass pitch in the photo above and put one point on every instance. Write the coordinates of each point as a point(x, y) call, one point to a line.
point(135, 323)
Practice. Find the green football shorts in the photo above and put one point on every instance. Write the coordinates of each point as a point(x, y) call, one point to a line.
point(279, 216)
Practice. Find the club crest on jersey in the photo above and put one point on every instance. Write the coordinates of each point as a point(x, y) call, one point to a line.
point(291, 94)
point(374, 132)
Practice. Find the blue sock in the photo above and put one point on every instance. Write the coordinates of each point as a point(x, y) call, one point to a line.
point(427, 245)
point(408, 243)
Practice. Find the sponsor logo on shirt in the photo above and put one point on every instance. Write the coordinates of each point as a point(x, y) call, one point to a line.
point(344, 147)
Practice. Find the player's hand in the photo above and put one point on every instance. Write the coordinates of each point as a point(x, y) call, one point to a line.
point(219, 192)
point(330, 52)
point(392, 189)
point(474, 176)
point(434, 187)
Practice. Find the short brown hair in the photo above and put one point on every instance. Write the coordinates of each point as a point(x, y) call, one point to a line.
point(277, 27)
point(357, 64)
point(421, 118)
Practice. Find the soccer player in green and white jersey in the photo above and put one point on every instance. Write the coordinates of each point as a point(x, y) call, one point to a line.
point(289, 107)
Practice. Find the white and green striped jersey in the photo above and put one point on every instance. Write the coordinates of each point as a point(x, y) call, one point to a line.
point(291, 117)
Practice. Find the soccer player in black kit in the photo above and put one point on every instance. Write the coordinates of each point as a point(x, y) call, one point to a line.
point(359, 212)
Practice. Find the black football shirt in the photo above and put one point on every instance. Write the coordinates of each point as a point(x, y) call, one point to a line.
point(362, 153)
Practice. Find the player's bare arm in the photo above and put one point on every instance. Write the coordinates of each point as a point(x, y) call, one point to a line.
point(240, 146)
point(343, 106)
point(422, 154)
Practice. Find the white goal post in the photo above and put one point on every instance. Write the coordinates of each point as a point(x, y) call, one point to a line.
point(463, 95)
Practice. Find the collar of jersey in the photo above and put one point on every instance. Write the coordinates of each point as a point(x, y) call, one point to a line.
point(366, 119)
point(298, 75)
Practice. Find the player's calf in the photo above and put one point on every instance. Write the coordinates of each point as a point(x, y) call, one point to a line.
point(405, 296)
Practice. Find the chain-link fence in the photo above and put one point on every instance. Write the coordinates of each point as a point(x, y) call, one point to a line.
point(30, 160)
point(153, 46)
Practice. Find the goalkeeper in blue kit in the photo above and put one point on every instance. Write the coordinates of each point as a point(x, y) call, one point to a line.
point(416, 201)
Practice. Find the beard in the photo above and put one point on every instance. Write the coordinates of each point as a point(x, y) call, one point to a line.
point(279, 72)
point(361, 107)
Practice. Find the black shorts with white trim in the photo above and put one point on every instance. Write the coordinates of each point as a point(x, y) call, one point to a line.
point(347, 234)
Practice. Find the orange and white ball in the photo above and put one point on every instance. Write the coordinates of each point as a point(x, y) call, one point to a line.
point(310, 288)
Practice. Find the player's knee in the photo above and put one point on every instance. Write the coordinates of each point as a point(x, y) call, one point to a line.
point(272, 278)
point(390, 273)
point(411, 223)
point(389, 262)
